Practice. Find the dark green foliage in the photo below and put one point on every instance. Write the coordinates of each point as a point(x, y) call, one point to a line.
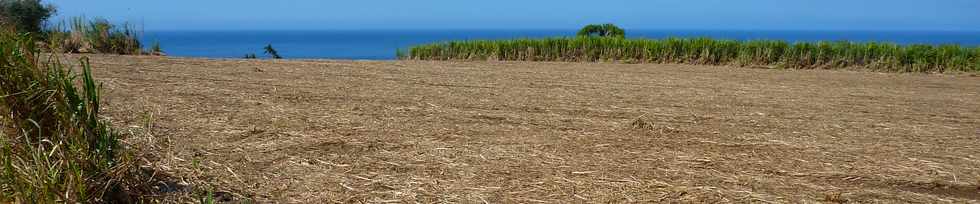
point(704, 51)
point(272, 52)
point(54, 147)
point(250, 56)
point(25, 15)
point(604, 30)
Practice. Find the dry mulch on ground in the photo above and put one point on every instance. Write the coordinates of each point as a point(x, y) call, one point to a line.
point(517, 132)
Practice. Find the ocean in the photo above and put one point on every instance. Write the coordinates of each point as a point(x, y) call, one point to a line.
point(382, 44)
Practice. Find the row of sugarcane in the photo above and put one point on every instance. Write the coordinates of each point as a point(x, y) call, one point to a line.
point(705, 51)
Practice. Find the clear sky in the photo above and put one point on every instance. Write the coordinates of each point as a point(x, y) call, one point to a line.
point(532, 14)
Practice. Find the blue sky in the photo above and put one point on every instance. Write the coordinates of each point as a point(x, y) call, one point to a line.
point(533, 14)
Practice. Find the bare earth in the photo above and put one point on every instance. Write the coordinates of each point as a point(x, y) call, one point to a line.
point(518, 132)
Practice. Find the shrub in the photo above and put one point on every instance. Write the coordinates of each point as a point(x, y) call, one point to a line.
point(98, 35)
point(25, 15)
point(604, 30)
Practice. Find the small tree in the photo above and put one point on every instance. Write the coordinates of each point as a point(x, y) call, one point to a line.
point(604, 30)
point(272, 52)
point(25, 15)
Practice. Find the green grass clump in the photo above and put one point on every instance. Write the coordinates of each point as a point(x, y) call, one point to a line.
point(82, 35)
point(705, 51)
point(54, 147)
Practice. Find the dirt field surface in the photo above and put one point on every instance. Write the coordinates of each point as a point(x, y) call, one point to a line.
point(517, 132)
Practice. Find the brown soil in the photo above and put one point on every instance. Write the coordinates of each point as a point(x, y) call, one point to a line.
point(517, 132)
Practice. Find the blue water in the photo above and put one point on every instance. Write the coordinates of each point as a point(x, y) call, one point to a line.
point(381, 44)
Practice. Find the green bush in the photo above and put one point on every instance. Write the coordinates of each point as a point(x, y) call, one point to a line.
point(25, 15)
point(604, 30)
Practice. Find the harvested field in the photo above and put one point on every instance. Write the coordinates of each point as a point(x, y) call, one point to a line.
point(519, 132)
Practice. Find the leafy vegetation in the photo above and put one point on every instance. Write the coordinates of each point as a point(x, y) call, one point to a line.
point(705, 51)
point(269, 50)
point(54, 147)
point(250, 56)
point(81, 35)
point(25, 15)
point(604, 30)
